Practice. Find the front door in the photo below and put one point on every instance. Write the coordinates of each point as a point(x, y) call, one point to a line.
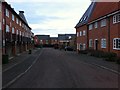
point(96, 44)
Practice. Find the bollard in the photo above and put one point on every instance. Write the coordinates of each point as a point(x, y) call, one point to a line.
point(4, 59)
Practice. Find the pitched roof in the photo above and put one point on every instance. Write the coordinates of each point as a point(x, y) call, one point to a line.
point(21, 14)
point(65, 36)
point(54, 38)
point(43, 37)
point(107, 8)
point(86, 15)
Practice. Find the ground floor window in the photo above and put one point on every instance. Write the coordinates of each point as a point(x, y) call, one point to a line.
point(116, 43)
point(81, 46)
point(84, 46)
point(90, 43)
point(77, 46)
point(103, 43)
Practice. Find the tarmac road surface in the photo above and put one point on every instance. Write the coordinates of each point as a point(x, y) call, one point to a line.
point(61, 69)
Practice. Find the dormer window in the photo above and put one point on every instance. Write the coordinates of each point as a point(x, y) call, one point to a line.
point(85, 17)
point(81, 20)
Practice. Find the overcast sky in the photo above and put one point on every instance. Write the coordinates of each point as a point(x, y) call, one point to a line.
point(51, 17)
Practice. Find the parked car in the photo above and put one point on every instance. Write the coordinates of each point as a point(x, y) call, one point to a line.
point(68, 48)
point(56, 46)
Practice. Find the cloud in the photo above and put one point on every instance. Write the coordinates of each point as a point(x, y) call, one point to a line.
point(52, 16)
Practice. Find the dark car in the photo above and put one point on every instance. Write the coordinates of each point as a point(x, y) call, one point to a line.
point(68, 48)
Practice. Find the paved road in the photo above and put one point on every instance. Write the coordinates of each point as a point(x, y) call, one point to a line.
point(60, 69)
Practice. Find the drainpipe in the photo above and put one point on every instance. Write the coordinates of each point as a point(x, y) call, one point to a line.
point(4, 28)
point(87, 35)
point(109, 34)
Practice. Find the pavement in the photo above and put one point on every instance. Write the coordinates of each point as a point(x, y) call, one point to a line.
point(17, 66)
point(100, 62)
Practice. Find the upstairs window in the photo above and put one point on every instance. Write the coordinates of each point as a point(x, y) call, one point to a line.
point(80, 33)
point(103, 22)
point(0, 7)
point(96, 24)
point(116, 18)
point(116, 43)
point(13, 18)
point(7, 12)
point(103, 43)
point(90, 27)
point(0, 25)
point(20, 23)
point(77, 34)
point(17, 32)
point(17, 20)
point(84, 33)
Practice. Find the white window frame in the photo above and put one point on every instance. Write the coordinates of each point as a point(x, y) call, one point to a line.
point(17, 32)
point(3, 21)
point(96, 25)
point(20, 23)
point(13, 30)
point(17, 21)
point(84, 32)
point(90, 43)
point(116, 18)
point(90, 26)
point(0, 26)
point(7, 28)
point(0, 7)
point(77, 45)
point(116, 43)
point(84, 46)
point(20, 33)
point(7, 12)
point(103, 22)
point(77, 34)
point(103, 43)
point(13, 17)
point(80, 33)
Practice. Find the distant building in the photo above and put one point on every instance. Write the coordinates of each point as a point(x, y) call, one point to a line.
point(102, 24)
point(16, 33)
point(53, 40)
point(44, 39)
point(65, 39)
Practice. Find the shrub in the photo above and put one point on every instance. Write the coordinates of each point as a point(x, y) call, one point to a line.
point(117, 60)
point(109, 56)
point(83, 51)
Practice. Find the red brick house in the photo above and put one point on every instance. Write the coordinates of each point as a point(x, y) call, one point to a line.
point(16, 33)
point(36, 41)
point(81, 29)
point(103, 27)
point(44, 39)
point(53, 40)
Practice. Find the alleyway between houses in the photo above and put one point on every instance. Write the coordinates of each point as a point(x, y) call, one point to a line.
point(62, 69)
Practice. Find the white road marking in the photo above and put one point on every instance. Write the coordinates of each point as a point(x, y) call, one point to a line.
point(12, 81)
point(11, 66)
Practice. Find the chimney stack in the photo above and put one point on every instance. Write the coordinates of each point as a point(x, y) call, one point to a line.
point(21, 11)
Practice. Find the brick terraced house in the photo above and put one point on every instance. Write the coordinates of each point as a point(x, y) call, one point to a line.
point(16, 33)
point(44, 39)
point(82, 29)
point(103, 28)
